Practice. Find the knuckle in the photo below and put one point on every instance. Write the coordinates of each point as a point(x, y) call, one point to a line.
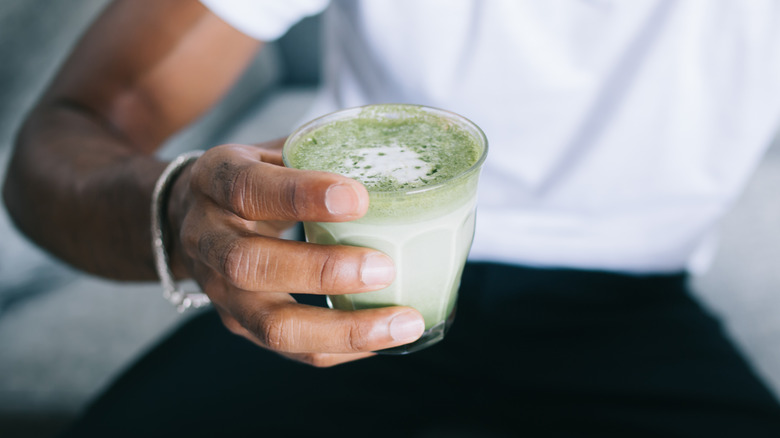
point(328, 273)
point(291, 202)
point(274, 331)
point(244, 262)
point(357, 336)
point(234, 263)
point(205, 242)
point(247, 264)
point(337, 269)
point(238, 190)
point(226, 178)
point(207, 170)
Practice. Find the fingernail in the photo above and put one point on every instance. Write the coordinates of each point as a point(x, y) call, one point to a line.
point(406, 327)
point(377, 270)
point(341, 199)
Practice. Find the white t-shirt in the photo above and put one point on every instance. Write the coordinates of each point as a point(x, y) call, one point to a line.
point(620, 131)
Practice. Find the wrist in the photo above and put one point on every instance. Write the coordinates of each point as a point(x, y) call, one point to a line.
point(161, 203)
point(180, 200)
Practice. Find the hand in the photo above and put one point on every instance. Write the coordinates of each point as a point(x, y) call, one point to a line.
point(228, 211)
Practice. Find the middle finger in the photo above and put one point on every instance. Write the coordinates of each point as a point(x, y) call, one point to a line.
point(259, 263)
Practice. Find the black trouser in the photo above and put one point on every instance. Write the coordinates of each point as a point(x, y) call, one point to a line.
point(532, 353)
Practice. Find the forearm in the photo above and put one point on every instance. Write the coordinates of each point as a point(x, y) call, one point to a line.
point(83, 169)
point(77, 188)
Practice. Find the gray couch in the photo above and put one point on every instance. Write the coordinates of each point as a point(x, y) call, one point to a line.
point(64, 335)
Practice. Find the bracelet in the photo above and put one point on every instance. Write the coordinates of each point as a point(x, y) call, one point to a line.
point(162, 188)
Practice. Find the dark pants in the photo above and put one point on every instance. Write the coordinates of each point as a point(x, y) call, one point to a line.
point(532, 353)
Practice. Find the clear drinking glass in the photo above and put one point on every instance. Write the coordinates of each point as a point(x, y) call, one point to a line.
point(427, 231)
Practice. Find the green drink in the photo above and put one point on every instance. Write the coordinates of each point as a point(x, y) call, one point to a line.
point(420, 166)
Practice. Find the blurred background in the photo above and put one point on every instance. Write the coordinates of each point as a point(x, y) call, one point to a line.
point(64, 335)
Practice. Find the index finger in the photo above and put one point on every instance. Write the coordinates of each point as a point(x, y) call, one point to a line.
point(240, 179)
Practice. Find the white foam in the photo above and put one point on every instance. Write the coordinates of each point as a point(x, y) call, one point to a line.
point(394, 161)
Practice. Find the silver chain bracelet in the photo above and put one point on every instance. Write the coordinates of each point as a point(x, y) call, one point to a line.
point(162, 188)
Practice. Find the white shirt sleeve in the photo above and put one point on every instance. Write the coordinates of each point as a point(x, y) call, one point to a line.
point(264, 20)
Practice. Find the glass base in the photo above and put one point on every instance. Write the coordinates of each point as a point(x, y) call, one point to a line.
point(428, 338)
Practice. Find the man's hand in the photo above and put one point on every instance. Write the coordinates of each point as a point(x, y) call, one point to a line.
point(140, 73)
point(229, 210)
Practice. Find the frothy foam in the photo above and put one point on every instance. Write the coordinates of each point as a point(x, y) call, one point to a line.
point(405, 150)
point(392, 161)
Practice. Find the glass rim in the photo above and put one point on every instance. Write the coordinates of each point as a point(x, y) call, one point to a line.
point(340, 115)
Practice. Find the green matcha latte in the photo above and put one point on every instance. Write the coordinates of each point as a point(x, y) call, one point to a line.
point(420, 166)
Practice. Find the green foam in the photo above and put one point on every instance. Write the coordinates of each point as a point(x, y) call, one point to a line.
point(441, 152)
point(447, 149)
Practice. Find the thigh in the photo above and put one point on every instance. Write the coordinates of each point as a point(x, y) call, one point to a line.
point(532, 352)
point(204, 381)
point(595, 354)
